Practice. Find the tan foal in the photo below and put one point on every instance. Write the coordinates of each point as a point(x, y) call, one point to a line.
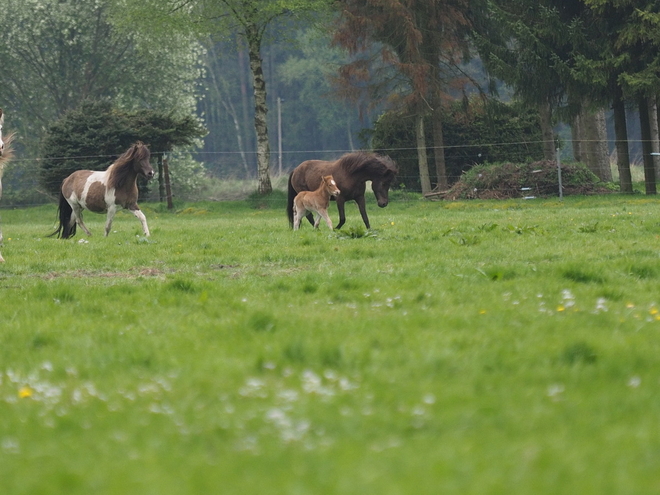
point(315, 201)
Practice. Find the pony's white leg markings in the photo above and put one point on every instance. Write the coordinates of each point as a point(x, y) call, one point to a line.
point(298, 216)
point(143, 220)
point(108, 222)
point(77, 217)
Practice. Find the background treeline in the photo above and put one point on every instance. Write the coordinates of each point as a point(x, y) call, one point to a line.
point(274, 83)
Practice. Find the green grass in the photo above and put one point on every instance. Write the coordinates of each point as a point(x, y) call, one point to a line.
point(467, 347)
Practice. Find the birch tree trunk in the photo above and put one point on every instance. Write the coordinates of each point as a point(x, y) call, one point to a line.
point(260, 110)
point(422, 157)
point(621, 143)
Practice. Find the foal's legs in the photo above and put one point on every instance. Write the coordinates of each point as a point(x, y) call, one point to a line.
point(324, 214)
point(299, 212)
point(143, 220)
point(1, 258)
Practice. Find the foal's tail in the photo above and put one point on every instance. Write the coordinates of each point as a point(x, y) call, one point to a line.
point(289, 201)
point(64, 212)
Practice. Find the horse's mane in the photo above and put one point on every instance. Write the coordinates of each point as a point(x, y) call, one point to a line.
point(122, 170)
point(7, 153)
point(363, 161)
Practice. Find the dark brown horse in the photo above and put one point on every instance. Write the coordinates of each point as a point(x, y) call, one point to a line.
point(351, 172)
point(102, 192)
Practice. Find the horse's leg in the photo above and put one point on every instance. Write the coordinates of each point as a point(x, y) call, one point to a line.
point(143, 220)
point(342, 213)
point(108, 219)
point(76, 217)
point(362, 205)
point(310, 217)
point(326, 217)
point(317, 221)
point(298, 214)
point(1, 258)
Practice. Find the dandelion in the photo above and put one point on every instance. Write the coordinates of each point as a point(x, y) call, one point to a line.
point(482, 312)
point(630, 305)
point(561, 308)
point(25, 392)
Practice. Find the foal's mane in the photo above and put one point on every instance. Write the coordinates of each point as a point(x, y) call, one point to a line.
point(361, 161)
point(122, 169)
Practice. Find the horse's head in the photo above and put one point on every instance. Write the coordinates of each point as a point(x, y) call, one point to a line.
point(141, 160)
point(381, 185)
point(331, 186)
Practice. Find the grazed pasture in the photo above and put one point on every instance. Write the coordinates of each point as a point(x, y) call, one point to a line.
point(466, 347)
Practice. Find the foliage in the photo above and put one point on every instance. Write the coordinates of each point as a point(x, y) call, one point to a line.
point(474, 133)
point(231, 352)
point(57, 53)
point(534, 179)
point(93, 136)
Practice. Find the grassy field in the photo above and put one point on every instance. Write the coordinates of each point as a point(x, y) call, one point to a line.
point(467, 347)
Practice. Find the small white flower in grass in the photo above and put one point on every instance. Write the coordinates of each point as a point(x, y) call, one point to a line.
point(47, 366)
point(568, 298)
point(429, 399)
point(634, 382)
point(418, 411)
point(555, 391)
point(10, 445)
point(601, 305)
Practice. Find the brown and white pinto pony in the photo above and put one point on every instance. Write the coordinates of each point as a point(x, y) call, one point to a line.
point(106, 191)
point(6, 154)
point(315, 201)
point(351, 172)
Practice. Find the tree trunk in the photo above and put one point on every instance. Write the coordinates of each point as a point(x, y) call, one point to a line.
point(594, 137)
point(439, 148)
point(422, 158)
point(649, 169)
point(547, 134)
point(168, 185)
point(576, 136)
point(161, 179)
point(260, 111)
point(653, 125)
point(621, 143)
point(245, 100)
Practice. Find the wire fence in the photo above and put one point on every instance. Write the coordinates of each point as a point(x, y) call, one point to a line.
point(23, 172)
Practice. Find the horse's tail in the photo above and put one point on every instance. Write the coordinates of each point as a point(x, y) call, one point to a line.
point(289, 201)
point(64, 212)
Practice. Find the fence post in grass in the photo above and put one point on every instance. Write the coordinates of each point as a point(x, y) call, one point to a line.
point(561, 189)
point(168, 186)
